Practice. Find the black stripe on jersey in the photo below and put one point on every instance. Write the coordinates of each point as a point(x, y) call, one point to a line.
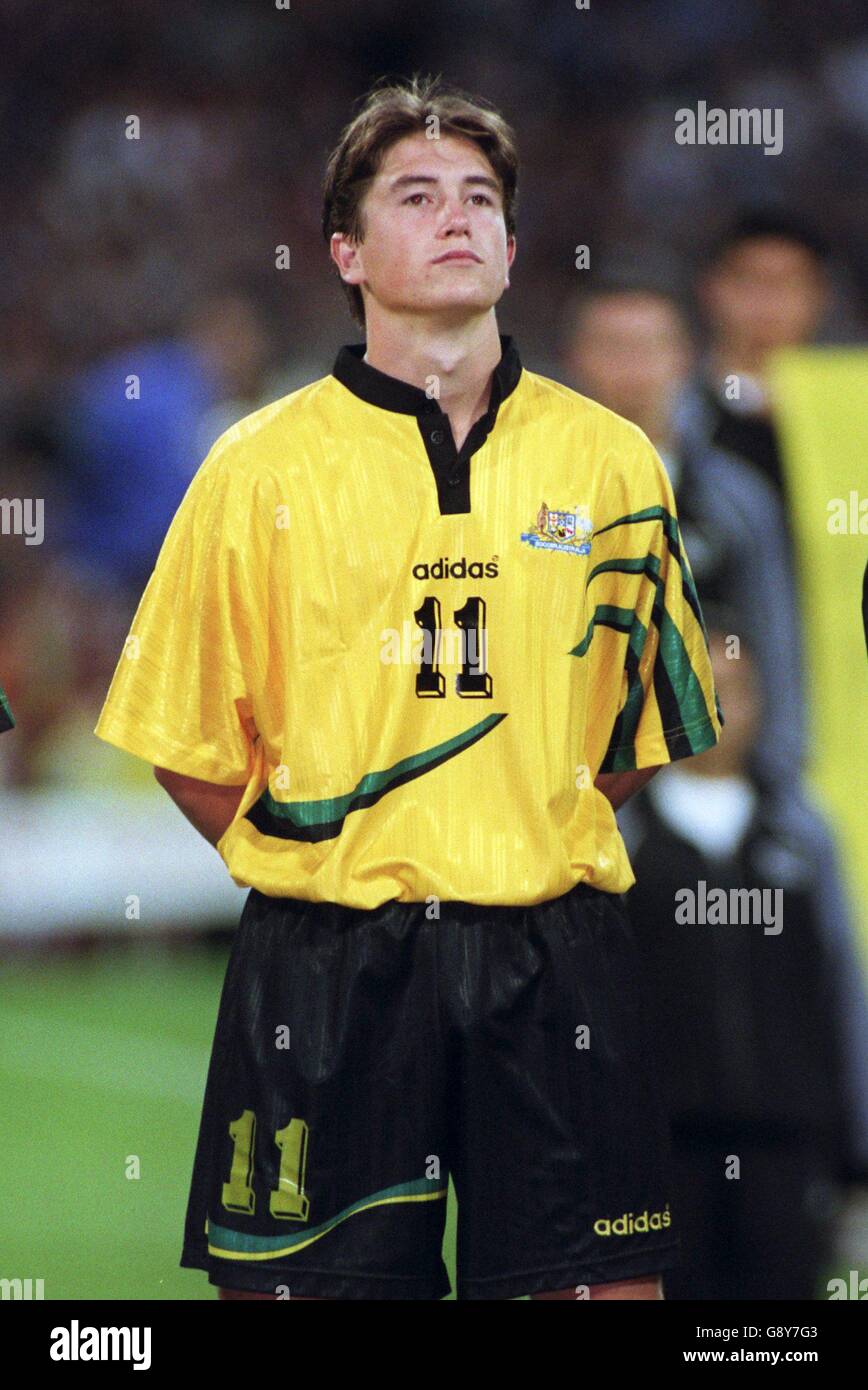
point(672, 534)
point(283, 828)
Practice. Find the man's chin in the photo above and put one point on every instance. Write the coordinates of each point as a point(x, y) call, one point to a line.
point(459, 305)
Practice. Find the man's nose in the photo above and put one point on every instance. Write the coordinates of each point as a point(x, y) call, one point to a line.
point(455, 215)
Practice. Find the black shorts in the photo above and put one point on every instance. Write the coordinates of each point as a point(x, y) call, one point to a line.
point(360, 1058)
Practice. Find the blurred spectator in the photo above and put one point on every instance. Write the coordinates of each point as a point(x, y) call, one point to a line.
point(229, 334)
point(767, 287)
point(131, 456)
point(59, 639)
point(747, 1022)
point(627, 343)
point(139, 424)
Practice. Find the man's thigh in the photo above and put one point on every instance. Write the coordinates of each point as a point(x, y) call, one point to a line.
point(561, 1155)
point(325, 1097)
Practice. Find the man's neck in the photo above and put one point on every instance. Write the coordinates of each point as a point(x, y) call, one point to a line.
point(455, 365)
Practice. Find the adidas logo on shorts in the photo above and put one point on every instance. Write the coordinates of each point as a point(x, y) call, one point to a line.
point(629, 1225)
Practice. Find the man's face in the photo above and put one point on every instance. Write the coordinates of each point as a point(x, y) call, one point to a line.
point(430, 200)
point(768, 292)
point(630, 351)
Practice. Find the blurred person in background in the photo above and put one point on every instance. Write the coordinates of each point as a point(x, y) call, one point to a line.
point(229, 332)
point(139, 422)
point(58, 638)
point(628, 344)
point(748, 1021)
point(766, 287)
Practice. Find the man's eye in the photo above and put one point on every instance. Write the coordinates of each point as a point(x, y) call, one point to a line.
point(415, 195)
point(484, 196)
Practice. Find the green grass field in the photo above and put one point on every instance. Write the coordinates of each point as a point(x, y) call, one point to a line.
point(101, 1058)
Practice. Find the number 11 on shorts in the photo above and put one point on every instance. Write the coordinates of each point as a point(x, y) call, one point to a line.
point(287, 1201)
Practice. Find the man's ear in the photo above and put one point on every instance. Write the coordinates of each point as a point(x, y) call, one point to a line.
point(344, 252)
point(510, 256)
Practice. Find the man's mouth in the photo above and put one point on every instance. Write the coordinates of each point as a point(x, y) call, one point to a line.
point(458, 256)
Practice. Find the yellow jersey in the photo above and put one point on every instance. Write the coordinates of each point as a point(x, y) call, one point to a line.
point(417, 659)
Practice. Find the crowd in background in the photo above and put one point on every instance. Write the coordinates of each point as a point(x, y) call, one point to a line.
point(156, 256)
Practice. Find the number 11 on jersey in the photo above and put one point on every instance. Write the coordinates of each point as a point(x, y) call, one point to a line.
point(473, 681)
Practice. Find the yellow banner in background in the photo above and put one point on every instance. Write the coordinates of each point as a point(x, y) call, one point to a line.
point(821, 409)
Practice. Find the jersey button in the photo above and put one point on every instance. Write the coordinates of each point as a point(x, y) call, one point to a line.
point(454, 479)
point(437, 436)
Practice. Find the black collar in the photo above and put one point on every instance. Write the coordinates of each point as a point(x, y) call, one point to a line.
point(390, 393)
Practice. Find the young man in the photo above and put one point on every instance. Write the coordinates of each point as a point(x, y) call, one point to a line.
point(767, 286)
point(413, 634)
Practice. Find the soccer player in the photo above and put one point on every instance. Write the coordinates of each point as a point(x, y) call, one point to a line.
point(414, 633)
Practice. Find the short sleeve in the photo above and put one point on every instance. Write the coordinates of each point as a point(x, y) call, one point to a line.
point(182, 696)
point(668, 707)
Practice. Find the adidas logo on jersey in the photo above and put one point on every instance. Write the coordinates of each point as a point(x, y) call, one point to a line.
point(628, 1224)
point(457, 569)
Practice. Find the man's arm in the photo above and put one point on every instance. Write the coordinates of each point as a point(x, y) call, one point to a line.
point(207, 806)
point(618, 787)
point(211, 808)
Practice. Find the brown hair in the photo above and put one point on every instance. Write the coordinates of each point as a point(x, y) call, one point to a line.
point(390, 111)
